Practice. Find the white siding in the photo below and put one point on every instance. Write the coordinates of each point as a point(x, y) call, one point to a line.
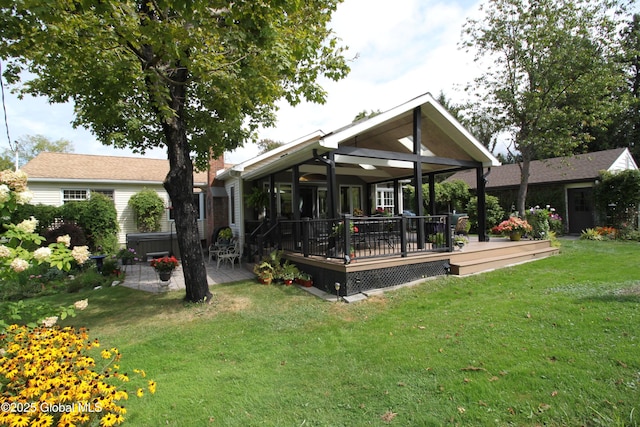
point(238, 227)
point(51, 194)
point(46, 194)
point(624, 162)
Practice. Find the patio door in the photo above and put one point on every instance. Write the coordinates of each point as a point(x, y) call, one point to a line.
point(313, 202)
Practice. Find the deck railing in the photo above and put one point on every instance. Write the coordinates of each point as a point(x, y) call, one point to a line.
point(362, 237)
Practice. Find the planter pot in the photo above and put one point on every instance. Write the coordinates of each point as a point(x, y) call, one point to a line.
point(515, 236)
point(305, 283)
point(288, 282)
point(265, 280)
point(164, 275)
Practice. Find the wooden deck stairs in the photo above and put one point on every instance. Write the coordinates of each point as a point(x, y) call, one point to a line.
point(488, 256)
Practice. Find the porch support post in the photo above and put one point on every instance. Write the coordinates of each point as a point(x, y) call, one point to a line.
point(368, 201)
point(482, 204)
point(295, 203)
point(333, 187)
point(432, 194)
point(273, 210)
point(396, 202)
point(417, 172)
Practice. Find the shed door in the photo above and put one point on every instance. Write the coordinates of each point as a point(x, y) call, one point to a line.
point(581, 212)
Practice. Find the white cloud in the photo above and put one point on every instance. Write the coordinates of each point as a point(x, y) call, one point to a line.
point(404, 48)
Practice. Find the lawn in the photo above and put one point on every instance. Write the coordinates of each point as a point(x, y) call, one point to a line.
point(554, 342)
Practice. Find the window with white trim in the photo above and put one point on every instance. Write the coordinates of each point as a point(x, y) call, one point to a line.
point(77, 194)
point(385, 199)
point(74, 195)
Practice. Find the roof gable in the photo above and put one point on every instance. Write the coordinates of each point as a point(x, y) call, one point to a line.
point(443, 138)
point(86, 167)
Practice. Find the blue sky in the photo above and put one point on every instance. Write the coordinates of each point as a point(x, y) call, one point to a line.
point(404, 48)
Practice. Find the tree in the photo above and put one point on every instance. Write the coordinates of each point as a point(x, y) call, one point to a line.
point(268, 144)
point(364, 114)
point(195, 77)
point(30, 146)
point(624, 131)
point(552, 76)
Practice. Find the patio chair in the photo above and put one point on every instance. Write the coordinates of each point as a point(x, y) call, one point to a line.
point(461, 226)
point(231, 254)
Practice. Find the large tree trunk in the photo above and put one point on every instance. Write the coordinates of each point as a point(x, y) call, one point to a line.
point(179, 185)
point(524, 183)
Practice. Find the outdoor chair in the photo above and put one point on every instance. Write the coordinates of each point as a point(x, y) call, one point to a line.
point(461, 226)
point(231, 254)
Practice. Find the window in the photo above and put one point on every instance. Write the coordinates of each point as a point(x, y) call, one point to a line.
point(83, 194)
point(283, 199)
point(74, 195)
point(350, 199)
point(108, 193)
point(385, 199)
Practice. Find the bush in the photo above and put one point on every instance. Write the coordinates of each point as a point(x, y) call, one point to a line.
point(46, 215)
point(76, 233)
point(539, 220)
point(96, 216)
point(88, 279)
point(495, 213)
point(148, 208)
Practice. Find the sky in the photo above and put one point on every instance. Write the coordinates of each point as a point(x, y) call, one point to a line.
point(400, 50)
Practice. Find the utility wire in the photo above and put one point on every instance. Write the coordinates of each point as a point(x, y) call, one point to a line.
point(4, 108)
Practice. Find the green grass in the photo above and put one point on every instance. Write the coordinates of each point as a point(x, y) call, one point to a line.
point(554, 342)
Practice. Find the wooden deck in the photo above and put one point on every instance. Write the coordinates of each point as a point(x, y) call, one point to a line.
point(366, 274)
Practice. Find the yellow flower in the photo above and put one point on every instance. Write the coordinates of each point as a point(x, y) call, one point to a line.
point(20, 421)
point(140, 393)
point(106, 354)
point(152, 387)
point(42, 420)
point(108, 420)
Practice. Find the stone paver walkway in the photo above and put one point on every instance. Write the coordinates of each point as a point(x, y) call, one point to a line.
point(145, 278)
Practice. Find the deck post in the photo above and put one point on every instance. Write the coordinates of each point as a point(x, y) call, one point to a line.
point(306, 225)
point(482, 204)
point(403, 236)
point(417, 171)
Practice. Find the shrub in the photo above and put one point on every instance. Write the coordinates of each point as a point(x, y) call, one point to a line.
point(46, 215)
point(96, 216)
point(494, 212)
point(617, 197)
point(71, 229)
point(148, 208)
point(590, 234)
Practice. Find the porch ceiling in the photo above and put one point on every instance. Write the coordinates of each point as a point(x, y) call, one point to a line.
point(381, 148)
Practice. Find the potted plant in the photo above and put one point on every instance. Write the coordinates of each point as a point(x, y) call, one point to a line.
point(265, 272)
point(258, 199)
point(305, 279)
point(225, 234)
point(460, 241)
point(514, 227)
point(289, 272)
point(127, 256)
point(438, 240)
point(164, 266)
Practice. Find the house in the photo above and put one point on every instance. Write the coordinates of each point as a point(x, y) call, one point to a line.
point(563, 182)
point(56, 178)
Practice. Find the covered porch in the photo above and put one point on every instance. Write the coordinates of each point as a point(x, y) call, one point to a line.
point(332, 197)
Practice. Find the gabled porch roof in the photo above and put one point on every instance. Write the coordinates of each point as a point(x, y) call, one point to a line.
point(379, 148)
